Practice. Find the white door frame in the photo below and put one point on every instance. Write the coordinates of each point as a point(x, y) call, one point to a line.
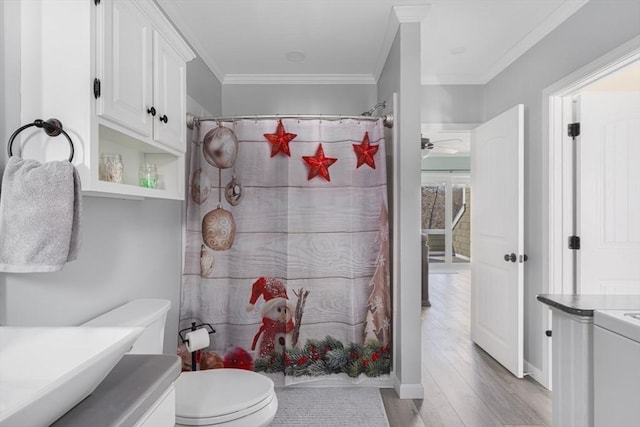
point(554, 212)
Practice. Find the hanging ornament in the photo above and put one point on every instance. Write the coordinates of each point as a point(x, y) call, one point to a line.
point(234, 191)
point(319, 164)
point(200, 186)
point(206, 262)
point(280, 140)
point(365, 152)
point(220, 147)
point(218, 229)
point(218, 226)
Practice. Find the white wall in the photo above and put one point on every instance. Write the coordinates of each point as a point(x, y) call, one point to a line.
point(401, 75)
point(592, 31)
point(297, 99)
point(130, 249)
point(9, 71)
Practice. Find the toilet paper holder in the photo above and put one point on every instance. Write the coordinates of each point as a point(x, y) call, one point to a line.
point(183, 336)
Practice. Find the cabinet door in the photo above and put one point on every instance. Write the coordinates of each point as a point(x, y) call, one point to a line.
point(126, 67)
point(169, 95)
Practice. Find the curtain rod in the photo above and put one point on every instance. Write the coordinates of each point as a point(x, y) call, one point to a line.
point(192, 120)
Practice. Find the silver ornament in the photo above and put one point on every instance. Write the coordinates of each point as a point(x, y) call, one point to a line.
point(234, 192)
point(220, 147)
point(218, 229)
point(200, 186)
point(206, 262)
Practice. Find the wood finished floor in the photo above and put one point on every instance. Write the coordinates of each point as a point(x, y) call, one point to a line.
point(463, 385)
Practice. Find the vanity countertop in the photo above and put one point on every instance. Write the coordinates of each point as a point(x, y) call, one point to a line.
point(584, 305)
point(126, 393)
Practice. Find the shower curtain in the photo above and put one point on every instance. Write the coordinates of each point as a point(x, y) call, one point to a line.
point(286, 248)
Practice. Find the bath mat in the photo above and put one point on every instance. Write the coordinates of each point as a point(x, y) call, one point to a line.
point(329, 406)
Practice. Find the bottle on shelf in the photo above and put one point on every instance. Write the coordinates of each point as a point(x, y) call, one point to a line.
point(148, 175)
point(111, 168)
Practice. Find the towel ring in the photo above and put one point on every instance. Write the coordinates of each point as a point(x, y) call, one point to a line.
point(52, 127)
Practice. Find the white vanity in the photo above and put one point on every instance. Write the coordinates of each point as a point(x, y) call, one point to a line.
point(573, 353)
point(138, 392)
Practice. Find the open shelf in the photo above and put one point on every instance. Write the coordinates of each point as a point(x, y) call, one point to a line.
point(135, 153)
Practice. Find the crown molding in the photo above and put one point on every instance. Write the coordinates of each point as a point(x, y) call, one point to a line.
point(162, 23)
point(170, 8)
point(298, 79)
point(400, 14)
point(561, 14)
point(407, 13)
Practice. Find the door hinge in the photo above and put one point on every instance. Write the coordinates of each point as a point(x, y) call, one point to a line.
point(574, 242)
point(574, 129)
point(96, 88)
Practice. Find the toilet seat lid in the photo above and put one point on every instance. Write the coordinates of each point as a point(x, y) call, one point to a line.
point(220, 393)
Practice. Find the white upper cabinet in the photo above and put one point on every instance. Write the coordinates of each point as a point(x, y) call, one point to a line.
point(114, 73)
point(169, 95)
point(142, 77)
point(125, 67)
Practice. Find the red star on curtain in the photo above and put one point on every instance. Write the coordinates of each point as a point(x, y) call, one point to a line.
point(319, 164)
point(280, 140)
point(365, 152)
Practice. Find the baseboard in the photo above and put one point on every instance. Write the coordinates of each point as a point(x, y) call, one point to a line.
point(408, 391)
point(535, 373)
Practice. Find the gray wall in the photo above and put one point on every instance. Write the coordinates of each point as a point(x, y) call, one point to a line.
point(349, 100)
point(591, 32)
point(401, 75)
point(452, 104)
point(130, 249)
point(204, 87)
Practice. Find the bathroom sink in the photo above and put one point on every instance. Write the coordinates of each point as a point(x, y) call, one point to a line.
point(45, 371)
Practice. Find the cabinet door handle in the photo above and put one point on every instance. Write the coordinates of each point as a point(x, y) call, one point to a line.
point(151, 111)
point(164, 118)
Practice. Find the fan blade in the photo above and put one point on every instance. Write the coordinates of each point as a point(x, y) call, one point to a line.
point(444, 150)
point(447, 140)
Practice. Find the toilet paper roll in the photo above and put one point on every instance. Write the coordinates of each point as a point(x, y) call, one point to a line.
point(197, 339)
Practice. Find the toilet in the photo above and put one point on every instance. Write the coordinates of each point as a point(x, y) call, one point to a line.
point(216, 397)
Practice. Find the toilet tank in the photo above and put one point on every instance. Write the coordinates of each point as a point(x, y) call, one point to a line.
point(151, 314)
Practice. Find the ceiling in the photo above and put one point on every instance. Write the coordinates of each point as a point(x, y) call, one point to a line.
point(347, 41)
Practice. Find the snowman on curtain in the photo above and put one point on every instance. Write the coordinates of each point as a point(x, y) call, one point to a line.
point(277, 315)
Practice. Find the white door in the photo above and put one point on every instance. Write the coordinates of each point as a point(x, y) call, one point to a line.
point(497, 255)
point(608, 193)
point(169, 95)
point(124, 67)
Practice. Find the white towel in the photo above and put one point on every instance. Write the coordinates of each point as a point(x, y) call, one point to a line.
point(40, 207)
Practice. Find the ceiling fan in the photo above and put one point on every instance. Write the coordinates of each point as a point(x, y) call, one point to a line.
point(437, 147)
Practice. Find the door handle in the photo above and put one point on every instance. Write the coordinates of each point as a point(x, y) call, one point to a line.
point(510, 257)
point(151, 111)
point(164, 118)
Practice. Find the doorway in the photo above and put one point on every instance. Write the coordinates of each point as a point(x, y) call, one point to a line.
point(446, 217)
point(446, 195)
point(566, 166)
